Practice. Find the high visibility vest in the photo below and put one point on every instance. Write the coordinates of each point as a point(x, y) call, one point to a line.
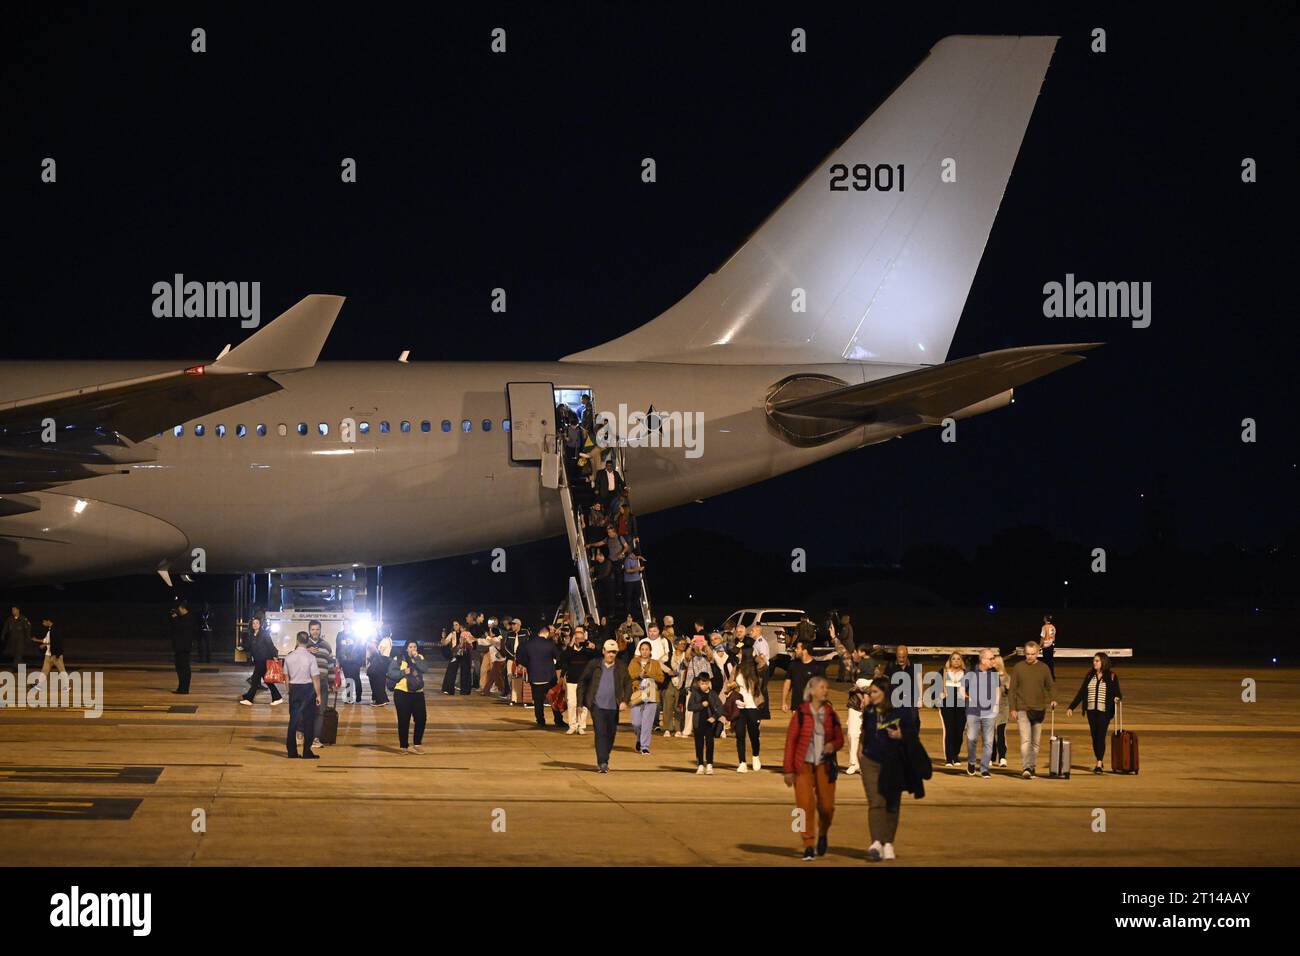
point(1048, 635)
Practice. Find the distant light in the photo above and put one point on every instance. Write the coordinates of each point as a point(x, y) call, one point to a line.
point(920, 346)
point(271, 571)
point(992, 608)
point(80, 506)
point(1067, 583)
point(356, 565)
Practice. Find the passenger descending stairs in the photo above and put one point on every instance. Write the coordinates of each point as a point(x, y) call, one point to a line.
point(582, 592)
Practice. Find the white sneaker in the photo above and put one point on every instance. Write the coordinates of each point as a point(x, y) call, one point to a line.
point(851, 769)
point(417, 749)
point(582, 731)
point(743, 768)
point(668, 733)
point(316, 743)
point(950, 765)
point(246, 702)
point(757, 764)
point(277, 703)
point(889, 851)
point(1002, 762)
point(874, 852)
point(573, 729)
point(708, 769)
point(699, 770)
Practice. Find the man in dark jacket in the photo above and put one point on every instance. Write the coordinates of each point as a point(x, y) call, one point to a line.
point(538, 656)
point(16, 633)
point(351, 654)
point(605, 689)
point(263, 649)
point(182, 634)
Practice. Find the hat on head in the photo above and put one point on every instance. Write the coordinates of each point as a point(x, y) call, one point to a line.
point(610, 646)
point(862, 683)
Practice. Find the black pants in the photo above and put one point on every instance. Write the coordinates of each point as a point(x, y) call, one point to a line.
point(449, 678)
point(746, 721)
point(302, 717)
point(703, 738)
point(540, 705)
point(182, 659)
point(1049, 654)
point(468, 673)
point(378, 689)
point(409, 705)
point(255, 682)
point(605, 723)
point(205, 647)
point(954, 732)
point(1098, 724)
point(352, 672)
point(1000, 743)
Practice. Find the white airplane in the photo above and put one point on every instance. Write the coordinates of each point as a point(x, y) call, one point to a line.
point(826, 331)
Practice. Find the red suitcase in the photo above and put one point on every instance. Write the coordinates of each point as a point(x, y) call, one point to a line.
point(1123, 745)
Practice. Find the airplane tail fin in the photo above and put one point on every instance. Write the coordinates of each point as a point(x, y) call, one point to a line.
point(881, 243)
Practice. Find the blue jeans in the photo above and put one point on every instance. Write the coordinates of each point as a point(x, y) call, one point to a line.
point(643, 723)
point(302, 716)
point(977, 727)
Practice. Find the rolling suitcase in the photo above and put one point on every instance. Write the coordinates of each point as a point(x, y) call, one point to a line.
point(329, 725)
point(1123, 745)
point(1059, 759)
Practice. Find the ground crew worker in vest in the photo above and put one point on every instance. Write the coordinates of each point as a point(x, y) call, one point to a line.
point(1047, 639)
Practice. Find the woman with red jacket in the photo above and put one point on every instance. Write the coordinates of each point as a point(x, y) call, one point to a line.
point(811, 742)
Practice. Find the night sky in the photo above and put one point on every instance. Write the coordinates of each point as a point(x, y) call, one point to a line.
point(522, 171)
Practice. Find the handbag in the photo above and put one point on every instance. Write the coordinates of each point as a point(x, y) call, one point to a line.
point(731, 709)
point(274, 671)
point(557, 697)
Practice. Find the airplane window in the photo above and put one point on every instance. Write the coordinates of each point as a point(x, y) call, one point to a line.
point(240, 431)
point(261, 431)
point(302, 428)
point(505, 424)
point(446, 425)
point(487, 424)
point(467, 425)
point(282, 429)
point(323, 428)
point(364, 427)
point(406, 427)
point(198, 430)
point(221, 431)
point(425, 425)
point(383, 428)
point(178, 431)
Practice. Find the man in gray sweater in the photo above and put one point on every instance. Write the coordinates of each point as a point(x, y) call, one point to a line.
point(1032, 693)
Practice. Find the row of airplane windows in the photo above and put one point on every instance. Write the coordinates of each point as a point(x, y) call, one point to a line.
point(323, 428)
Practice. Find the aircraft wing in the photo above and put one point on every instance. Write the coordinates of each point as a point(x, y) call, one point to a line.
point(98, 427)
point(930, 394)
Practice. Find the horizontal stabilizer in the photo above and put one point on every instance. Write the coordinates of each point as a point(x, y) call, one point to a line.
point(930, 394)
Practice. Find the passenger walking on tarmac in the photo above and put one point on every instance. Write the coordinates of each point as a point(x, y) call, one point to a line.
point(1098, 693)
point(762, 660)
point(952, 712)
point(706, 708)
point(1032, 692)
point(182, 634)
point(406, 674)
point(456, 651)
point(801, 669)
point(983, 693)
point(16, 633)
point(747, 681)
point(538, 657)
point(673, 703)
point(303, 674)
point(352, 655)
point(573, 662)
point(263, 649)
point(858, 702)
point(646, 675)
point(327, 664)
point(606, 689)
point(887, 732)
point(1047, 637)
point(377, 669)
point(811, 742)
point(1004, 708)
point(905, 690)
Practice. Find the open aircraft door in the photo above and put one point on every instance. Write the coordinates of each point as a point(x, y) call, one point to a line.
point(532, 422)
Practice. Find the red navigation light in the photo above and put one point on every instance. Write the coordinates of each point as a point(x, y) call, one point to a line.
point(194, 370)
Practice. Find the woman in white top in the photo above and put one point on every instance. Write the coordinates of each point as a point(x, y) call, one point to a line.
point(1000, 735)
point(746, 679)
point(953, 710)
